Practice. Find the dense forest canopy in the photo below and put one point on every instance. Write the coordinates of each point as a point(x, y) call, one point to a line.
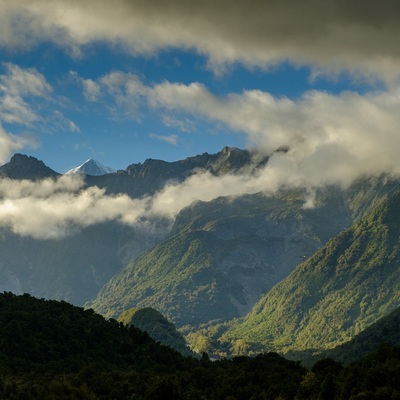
point(53, 350)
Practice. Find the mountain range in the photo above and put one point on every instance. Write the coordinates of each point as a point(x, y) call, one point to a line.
point(236, 275)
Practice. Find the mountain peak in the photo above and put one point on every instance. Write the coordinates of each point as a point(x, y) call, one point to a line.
point(22, 166)
point(91, 167)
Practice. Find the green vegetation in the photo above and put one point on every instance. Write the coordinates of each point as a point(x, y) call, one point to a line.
point(157, 326)
point(343, 288)
point(385, 330)
point(222, 256)
point(52, 350)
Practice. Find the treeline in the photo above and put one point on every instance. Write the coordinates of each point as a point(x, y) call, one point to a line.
point(53, 350)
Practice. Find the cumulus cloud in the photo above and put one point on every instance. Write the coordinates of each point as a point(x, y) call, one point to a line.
point(23, 82)
point(333, 138)
point(10, 143)
point(91, 89)
point(54, 208)
point(15, 85)
point(26, 98)
point(330, 35)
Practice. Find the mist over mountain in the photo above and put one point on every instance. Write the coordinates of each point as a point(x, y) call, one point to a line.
point(60, 239)
point(205, 240)
point(146, 178)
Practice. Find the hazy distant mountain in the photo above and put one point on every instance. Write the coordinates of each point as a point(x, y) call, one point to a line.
point(91, 167)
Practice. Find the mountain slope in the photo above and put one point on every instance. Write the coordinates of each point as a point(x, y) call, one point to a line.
point(157, 326)
point(91, 167)
point(384, 331)
point(221, 256)
point(343, 288)
point(74, 268)
point(59, 336)
point(25, 167)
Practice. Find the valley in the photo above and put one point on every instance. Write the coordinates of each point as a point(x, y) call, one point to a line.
point(238, 274)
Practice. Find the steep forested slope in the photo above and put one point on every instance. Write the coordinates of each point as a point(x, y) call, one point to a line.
point(343, 288)
point(384, 331)
point(223, 255)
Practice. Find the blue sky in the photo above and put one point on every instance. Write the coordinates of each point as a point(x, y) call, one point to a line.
point(128, 80)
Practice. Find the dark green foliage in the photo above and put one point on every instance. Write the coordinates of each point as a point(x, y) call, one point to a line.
point(53, 351)
point(157, 326)
point(385, 330)
point(43, 335)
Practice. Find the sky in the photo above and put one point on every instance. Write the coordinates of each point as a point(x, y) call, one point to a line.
point(126, 80)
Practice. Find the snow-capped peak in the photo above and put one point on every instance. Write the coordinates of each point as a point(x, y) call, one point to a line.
point(91, 167)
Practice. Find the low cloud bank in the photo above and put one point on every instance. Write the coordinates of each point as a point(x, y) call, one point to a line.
point(52, 209)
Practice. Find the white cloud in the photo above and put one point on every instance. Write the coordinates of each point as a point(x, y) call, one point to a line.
point(332, 138)
point(26, 98)
point(16, 84)
point(91, 89)
point(183, 124)
point(23, 82)
point(54, 208)
point(171, 139)
point(330, 36)
point(14, 110)
point(11, 143)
